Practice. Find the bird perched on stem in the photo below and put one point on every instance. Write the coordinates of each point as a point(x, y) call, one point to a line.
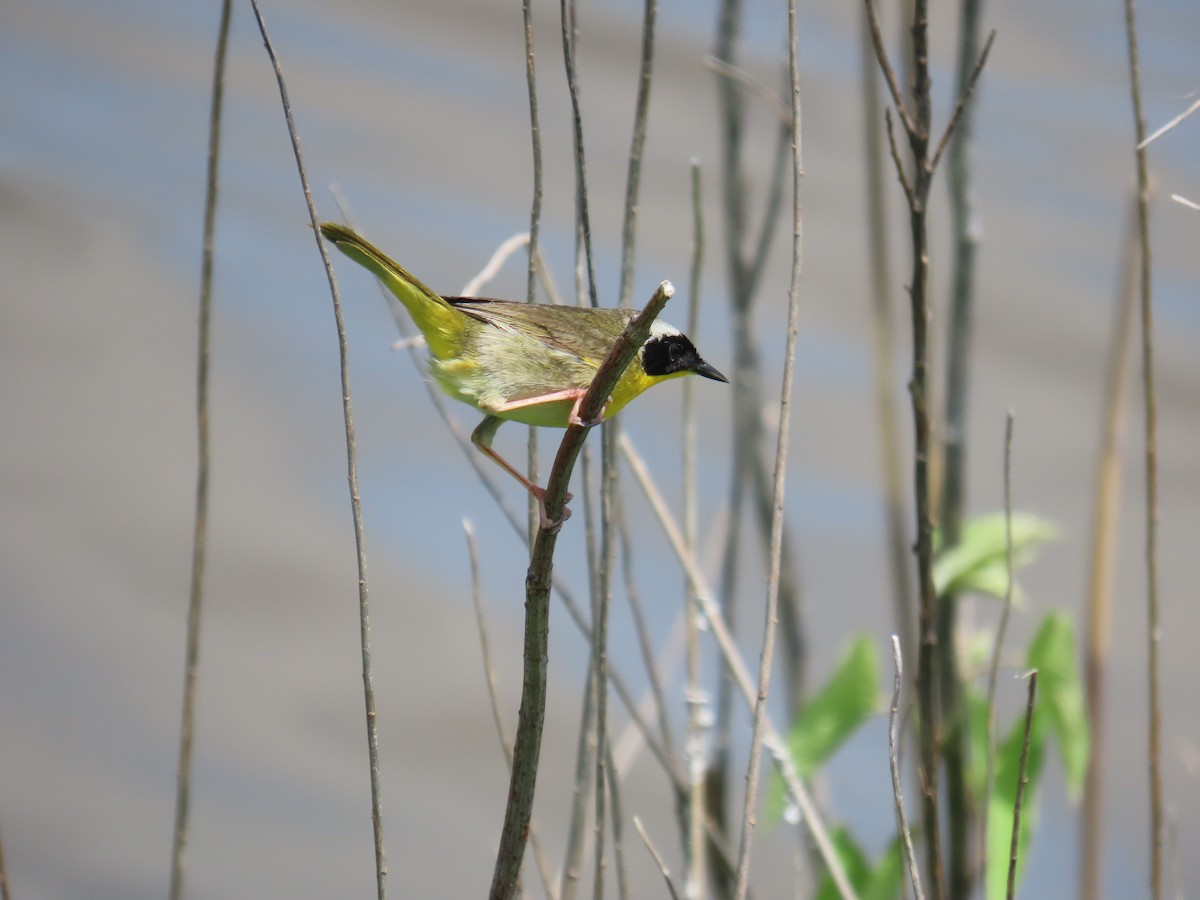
point(528, 362)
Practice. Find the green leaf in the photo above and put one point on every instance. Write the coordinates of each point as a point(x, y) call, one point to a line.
point(888, 877)
point(883, 881)
point(976, 703)
point(849, 698)
point(854, 864)
point(978, 561)
point(1061, 696)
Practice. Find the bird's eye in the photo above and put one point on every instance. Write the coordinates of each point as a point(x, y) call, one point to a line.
point(675, 350)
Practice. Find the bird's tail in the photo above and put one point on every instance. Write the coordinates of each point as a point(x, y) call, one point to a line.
point(439, 322)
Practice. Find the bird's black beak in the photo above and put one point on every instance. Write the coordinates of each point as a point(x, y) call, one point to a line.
point(703, 368)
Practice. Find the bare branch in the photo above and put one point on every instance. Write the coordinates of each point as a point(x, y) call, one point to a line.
point(963, 99)
point(191, 665)
point(910, 856)
point(760, 90)
point(889, 73)
point(895, 152)
point(1150, 439)
point(708, 607)
point(1184, 201)
point(1146, 142)
point(658, 857)
point(489, 674)
point(781, 454)
point(1022, 780)
point(352, 474)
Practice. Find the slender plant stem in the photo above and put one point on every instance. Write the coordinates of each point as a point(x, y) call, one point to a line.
point(351, 474)
point(781, 455)
point(989, 778)
point(696, 867)
point(917, 124)
point(657, 857)
point(187, 724)
point(960, 809)
point(745, 257)
point(637, 144)
point(602, 602)
point(733, 218)
point(883, 334)
point(642, 630)
point(1103, 559)
point(1022, 781)
point(1150, 403)
point(489, 674)
point(527, 746)
point(5, 892)
point(535, 223)
point(915, 113)
point(910, 857)
point(736, 667)
point(569, 38)
point(582, 785)
point(618, 827)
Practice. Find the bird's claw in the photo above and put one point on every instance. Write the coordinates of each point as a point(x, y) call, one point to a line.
point(551, 526)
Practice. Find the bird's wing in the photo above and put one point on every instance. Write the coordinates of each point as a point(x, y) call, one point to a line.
point(583, 332)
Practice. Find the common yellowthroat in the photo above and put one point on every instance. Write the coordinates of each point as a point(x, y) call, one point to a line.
point(527, 362)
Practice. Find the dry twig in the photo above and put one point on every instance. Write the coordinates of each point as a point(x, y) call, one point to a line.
point(910, 857)
point(351, 472)
point(187, 723)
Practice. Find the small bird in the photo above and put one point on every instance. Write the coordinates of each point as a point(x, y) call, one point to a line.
point(528, 362)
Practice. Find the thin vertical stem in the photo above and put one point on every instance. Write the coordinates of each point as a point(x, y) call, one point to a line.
point(740, 675)
point(960, 809)
point(882, 331)
point(1103, 559)
point(910, 858)
point(919, 389)
point(187, 724)
point(5, 893)
point(569, 37)
point(618, 828)
point(583, 782)
point(535, 222)
point(637, 145)
point(733, 218)
point(781, 454)
point(1154, 736)
point(364, 618)
point(696, 865)
point(915, 115)
point(489, 674)
point(1022, 781)
point(602, 602)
